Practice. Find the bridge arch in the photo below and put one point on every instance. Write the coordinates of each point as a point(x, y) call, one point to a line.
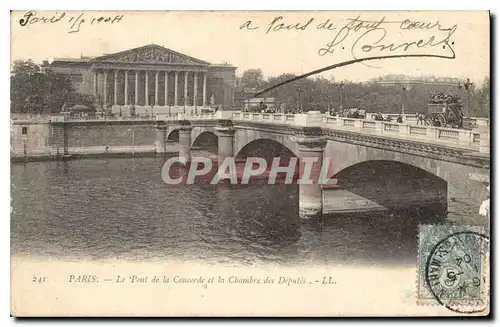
point(206, 140)
point(344, 155)
point(244, 136)
point(173, 135)
point(395, 185)
point(265, 148)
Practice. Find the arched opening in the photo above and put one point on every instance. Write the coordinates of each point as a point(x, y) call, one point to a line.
point(390, 185)
point(173, 136)
point(376, 209)
point(268, 150)
point(207, 141)
point(265, 148)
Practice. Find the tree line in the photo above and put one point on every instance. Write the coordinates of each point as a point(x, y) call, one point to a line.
point(386, 94)
point(35, 89)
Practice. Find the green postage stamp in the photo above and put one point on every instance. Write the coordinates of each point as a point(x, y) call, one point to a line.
point(453, 267)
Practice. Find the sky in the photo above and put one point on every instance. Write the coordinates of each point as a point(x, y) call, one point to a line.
point(275, 42)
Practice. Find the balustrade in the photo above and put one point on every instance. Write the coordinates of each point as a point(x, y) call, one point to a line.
point(463, 138)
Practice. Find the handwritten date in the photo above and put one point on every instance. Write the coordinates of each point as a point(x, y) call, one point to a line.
point(75, 22)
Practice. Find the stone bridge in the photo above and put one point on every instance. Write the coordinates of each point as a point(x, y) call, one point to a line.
point(378, 165)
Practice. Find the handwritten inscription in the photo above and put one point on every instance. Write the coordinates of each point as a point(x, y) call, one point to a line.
point(74, 21)
point(370, 37)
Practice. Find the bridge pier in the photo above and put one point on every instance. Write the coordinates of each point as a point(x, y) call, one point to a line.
point(161, 135)
point(225, 135)
point(311, 145)
point(185, 140)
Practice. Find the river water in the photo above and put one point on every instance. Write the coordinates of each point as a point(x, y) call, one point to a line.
point(121, 209)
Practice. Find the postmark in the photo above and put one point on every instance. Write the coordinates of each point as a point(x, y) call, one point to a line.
point(453, 266)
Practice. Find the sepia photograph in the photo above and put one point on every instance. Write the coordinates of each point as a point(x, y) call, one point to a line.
point(250, 163)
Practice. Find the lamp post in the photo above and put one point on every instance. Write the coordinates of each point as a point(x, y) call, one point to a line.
point(468, 85)
point(299, 104)
point(403, 90)
point(341, 87)
point(169, 105)
point(133, 140)
point(195, 106)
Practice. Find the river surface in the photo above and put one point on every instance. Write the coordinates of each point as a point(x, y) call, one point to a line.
point(121, 209)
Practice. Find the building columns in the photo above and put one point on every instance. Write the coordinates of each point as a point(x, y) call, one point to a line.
point(125, 101)
point(136, 96)
point(204, 89)
point(115, 94)
point(96, 83)
point(186, 88)
point(166, 89)
point(195, 91)
point(146, 89)
point(114, 97)
point(105, 91)
point(157, 73)
point(176, 82)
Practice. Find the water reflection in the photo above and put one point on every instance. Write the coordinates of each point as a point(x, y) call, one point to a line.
point(120, 208)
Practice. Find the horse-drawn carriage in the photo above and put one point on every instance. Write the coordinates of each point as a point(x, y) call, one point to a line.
point(444, 110)
point(354, 113)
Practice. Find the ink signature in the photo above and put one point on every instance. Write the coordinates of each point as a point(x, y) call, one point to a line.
point(372, 36)
point(74, 21)
point(370, 40)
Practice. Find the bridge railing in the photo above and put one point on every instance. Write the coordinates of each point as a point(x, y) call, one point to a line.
point(469, 139)
point(446, 136)
point(412, 119)
point(98, 118)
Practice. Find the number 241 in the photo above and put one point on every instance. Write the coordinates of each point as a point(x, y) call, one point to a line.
point(39, 280)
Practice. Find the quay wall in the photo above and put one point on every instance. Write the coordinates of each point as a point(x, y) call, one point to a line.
point(111, 135)
point(29, 138)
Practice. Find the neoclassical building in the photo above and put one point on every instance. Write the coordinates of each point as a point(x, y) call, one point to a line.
point(152, 78)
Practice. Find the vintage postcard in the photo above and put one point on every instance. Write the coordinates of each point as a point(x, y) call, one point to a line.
point(250, 163)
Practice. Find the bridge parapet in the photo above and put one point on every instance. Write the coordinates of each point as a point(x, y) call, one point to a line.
point(446, 136)
point(412, 118)
point(466, 139)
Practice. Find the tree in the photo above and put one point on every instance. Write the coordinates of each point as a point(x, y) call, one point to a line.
point(481, 100)
point(252, 78)
point(35, 91)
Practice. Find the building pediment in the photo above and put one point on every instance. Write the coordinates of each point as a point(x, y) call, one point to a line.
point(151, 54)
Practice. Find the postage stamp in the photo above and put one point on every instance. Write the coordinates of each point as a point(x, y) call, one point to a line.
point(453, 266)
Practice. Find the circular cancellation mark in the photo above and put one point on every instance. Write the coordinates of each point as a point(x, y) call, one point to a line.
point(455, 272)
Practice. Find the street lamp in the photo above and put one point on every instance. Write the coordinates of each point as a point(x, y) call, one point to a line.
point(341, 86)
point(195, 105)
point(133, 140)
point(403, 89)
point(152, 104)
point(300, 109)
point(468, 85)
point(169, 105)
